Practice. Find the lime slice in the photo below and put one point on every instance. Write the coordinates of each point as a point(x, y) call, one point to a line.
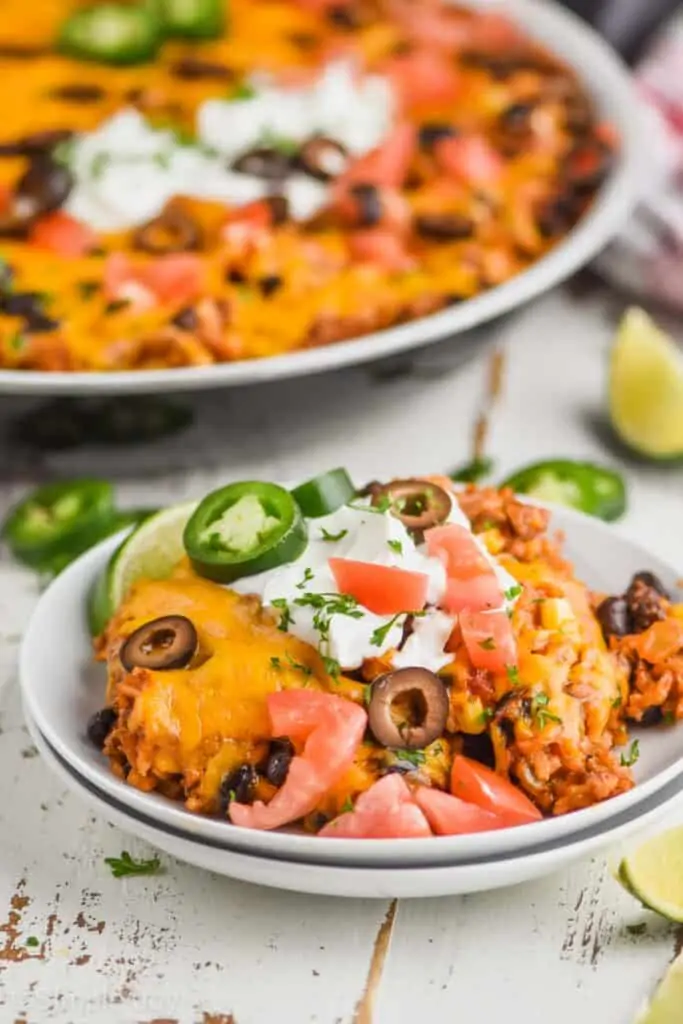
point(646, 388)
point(654, 874)
point(152, 551)
point(667, 1001)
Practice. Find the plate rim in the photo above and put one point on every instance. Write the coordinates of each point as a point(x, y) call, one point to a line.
point(598, 225)
point(383, 851)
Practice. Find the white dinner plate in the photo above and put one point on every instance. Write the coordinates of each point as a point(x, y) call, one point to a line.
point(610, 84)
point(62, 687)
point(480, 875)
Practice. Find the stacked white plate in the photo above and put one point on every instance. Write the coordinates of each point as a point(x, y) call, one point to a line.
point(62, 688)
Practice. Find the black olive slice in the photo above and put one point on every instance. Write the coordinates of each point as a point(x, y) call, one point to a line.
point(323, 158)
point(419, 504)
point(264, 162)
point(165, 643)
point(43, 187)
point(408, 709)
point(172, 231)
point(444, 227)
point(270, 284)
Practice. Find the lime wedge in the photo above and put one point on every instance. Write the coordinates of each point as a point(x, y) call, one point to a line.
point(646, 388)
point(151, 551)
point(654, 874)
point(667, 1003)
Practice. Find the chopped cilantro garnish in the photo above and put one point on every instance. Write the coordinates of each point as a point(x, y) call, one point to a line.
point(367, 694)
point(617, 702)
point(126, 865)
point(489, 644)
point(17, 341)
point(326, 535)
point(630, 758)
point(512, 592)
point(332, 666)
point(396, 546)
point(285, 614)
point(486, 716)
point(347, 806)
point(539, 708)
point(299, 666)
point(32, 941)
point(275, 663)
point(100, 163)
point(512, 673)
point(414, 757)
point(307, 577)
point(472, 471)
point(243, 91)
point(379, 635)
point(86, 289)
point(669, 718)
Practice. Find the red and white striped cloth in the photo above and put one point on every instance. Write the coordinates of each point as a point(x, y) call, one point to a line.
point(646, 259)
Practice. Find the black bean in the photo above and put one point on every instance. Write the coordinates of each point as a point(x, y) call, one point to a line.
point(369, 204)
point(270, 284)
point(186, 319)
point(651, 716)
point(100, 725)
point(651, 580)
point(237, 785)
point(39, 323)
point(645, 604)
point(444, 227)
point(480, 747)
point(516, 117)
point(79, 92)
point(280, 756)
point(22, 303)
point(236, 276)
point(614, 618)
point(432, 132)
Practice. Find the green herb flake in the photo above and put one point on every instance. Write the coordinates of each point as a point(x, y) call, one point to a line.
point(617, 702)
point(630, 758)
point(512, 672)
point(86, 289)
point(489, 644)
point(379, 636)
point(125, 865)
point(17, 341)
point(332, 537)
point(162, 159)
point(286, 620)
point(669, 718)
point(280, 143)
point(347, 806)
point(32, 941)
point(307, 577)
point(396, 546)
point(117, 305)
point(512, 592)
point(486, 716)
point(275, 663)
point(299, 666)
point(367, 694)
point(99, 164)
point(243, 91)
point(332, 666)
point(539, 709)
point(413, 757)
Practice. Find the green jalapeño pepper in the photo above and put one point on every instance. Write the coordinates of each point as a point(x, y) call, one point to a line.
point(592, 489)
point(192, 19)
point(111, 33)
point(58, 522)
point(324, 494)
point(244, 529)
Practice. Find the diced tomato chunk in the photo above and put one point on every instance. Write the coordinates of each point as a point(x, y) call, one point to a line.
point(458, 550)
point(382, 247)
point(477, 784)
point(423, 78)
point(385, 811)
point(382, 589)
point(450, 816)
point(478, 594)
point(489, 639)
point(176, 278)
point(63, 234)
point(386, 165)
point(331, 728)
point(471, 159)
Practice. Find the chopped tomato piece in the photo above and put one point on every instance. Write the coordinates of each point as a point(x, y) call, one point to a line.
point(249, 226)
point(450, 816)
point(471, 159)
point(63, 235)
point(489, 639)
point(385, 811)
point(331, 729)
point(176, 278)
point(423, 78)
point(386, 165)
point(433, 25)
point(478, 594)
point(382, 589)
point(458, 550)
point(477, 784)
point(490, 29)
point(382, 247)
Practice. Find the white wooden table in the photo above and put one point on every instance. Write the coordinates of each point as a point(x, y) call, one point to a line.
point(186, 947)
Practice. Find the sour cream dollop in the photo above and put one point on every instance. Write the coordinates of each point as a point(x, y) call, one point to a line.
point(127, 170)
point(361, 533)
